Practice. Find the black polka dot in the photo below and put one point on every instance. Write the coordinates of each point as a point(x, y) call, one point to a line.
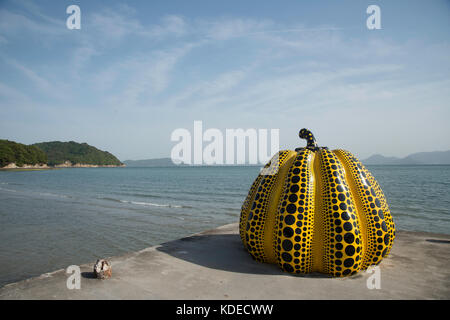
point(349, 238)
point(286, 257)
point(377, 202)
point(386, 239)
point(345, 216)
point(288, 232)
point(291, 208)
point(287, 245)
point(289, 219)
point(288, 267)
point(347, 226)
point(348, 262)
point(293, 198)
point(350, 250)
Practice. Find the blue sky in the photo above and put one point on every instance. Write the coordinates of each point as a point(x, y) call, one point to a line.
point(137, 70)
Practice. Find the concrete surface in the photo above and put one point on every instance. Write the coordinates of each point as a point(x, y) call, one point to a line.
point(214, 265)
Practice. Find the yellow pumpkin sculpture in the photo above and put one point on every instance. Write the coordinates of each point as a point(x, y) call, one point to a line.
point(316, 210)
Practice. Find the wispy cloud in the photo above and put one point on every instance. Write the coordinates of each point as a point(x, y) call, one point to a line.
point(50, 89)
point(10, 94)
point(13, 24)
point(140, 77)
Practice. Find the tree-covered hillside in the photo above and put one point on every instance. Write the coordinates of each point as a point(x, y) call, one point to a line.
point(59, 152)
point(20, 154)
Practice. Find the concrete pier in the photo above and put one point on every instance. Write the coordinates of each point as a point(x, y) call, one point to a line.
point(214, 265)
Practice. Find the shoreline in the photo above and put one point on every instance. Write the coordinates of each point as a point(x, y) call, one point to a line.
point(61, 166)
point(213, 265)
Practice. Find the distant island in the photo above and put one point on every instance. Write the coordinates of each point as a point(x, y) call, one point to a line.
point(435, 157)
point(54, 154)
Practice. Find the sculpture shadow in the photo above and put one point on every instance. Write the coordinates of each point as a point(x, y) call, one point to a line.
point(438, 241)
point(222, 252)
point(88, 275)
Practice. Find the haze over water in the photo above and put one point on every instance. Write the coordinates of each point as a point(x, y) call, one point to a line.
point(55, 218)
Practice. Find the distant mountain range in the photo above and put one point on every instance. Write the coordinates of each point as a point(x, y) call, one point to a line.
point(435, 157)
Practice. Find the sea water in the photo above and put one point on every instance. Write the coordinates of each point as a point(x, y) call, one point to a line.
point(51, 219)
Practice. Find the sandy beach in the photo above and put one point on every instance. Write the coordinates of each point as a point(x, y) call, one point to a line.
point(214, 265)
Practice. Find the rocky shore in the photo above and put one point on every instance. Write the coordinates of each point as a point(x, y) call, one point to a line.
point(26, 166)
point(66, 164)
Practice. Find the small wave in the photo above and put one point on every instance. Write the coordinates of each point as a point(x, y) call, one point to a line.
point(35, 193)
point(110, 199)
point(152, 204)
point(12, 183)
point(53, 195)
point(140, 203)
point(10, 190)
point(139, 195)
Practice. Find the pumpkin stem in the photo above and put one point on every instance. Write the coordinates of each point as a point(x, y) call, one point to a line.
point(309, 137)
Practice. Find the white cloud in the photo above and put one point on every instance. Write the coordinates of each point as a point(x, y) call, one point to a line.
point(224, 29)
point(143, 76)
point(12, 24)
point(171, 25)
point(40, 82)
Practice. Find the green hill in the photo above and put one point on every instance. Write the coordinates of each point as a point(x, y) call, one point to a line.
point(20, 154)
point(59, 152)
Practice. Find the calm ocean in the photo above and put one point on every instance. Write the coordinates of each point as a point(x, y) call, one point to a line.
point(55, 218)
